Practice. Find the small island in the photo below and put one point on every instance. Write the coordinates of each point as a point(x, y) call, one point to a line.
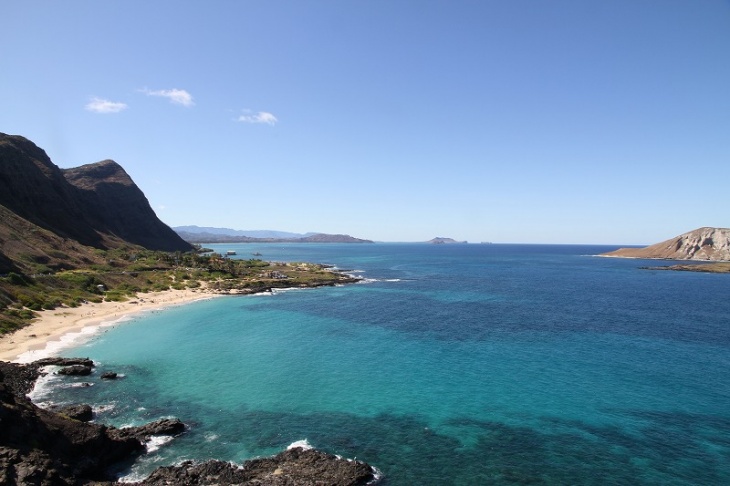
point(439, 240)
point(707, 248)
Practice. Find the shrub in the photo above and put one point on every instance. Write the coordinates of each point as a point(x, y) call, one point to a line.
point(114, 296)
point(16, 279)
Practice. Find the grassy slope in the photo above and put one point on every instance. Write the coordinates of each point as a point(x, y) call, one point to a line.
point(124, 272)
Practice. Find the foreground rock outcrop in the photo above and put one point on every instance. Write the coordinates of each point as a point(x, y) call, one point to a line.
point(295, 466)
point(42, 447)
point(702, 244)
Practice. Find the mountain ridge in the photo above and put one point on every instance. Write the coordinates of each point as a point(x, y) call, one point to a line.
point(54, 218)
point(193, 229)
point(197, 234)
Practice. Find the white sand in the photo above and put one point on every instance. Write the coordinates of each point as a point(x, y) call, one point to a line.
point(46, 334)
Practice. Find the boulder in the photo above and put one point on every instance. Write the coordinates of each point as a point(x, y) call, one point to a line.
point(159, 427)
point(75, 370)
point(82, 413)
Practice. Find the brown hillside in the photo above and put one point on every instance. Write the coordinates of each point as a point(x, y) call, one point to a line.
point(703, 244)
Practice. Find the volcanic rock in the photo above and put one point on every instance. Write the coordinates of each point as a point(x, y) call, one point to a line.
point(46, 448)
point(82, 413)
point(158, 427)
point(64, 362)
point(75, 370)
point(296, 466)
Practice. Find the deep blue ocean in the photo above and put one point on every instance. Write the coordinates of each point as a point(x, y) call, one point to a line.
point(449, 364)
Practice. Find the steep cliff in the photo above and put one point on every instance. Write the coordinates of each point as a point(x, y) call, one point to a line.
point(51, 216)
point(114, 205)
point(33, 188)
point(702, 244)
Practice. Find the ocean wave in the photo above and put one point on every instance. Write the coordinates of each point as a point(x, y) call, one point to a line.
point(78, 384)
point(104, 407)
point(377, 475)
point(156, 441)
point(300, 444)
point(288, 289)
point(364, 280)
point(44, 386)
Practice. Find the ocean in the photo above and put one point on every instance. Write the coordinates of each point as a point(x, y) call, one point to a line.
point(447, 365)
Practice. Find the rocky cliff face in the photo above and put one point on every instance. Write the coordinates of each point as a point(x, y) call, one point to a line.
point(114, 205)
point(97, 205)
point(36, 190)
point(702, 244)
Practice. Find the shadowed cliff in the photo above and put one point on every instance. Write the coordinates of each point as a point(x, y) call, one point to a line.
point(50, 215)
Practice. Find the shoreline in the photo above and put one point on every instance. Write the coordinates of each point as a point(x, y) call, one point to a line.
point(33, 341)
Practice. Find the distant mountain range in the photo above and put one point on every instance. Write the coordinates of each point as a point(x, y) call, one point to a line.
point(54, 218)
point(198, 234)
point(702, 244)
point(232, 232)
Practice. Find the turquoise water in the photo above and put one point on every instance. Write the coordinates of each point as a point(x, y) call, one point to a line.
point(463, 364)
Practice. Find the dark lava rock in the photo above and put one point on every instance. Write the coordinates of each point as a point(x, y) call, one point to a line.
point(19, 379)
point(75, 370)
point(82, 412)
point(297, 466)
point(158, 427)
point(65, 362)
point(109, 375)
point(46, 448)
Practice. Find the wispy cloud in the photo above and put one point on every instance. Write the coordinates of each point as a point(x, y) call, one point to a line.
point(99, 105)
point(260, 117)
point(176, 96)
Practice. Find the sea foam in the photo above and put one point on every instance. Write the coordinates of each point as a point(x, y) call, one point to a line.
point(300, 444)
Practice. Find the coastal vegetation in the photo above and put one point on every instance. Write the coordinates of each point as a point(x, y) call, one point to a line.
point(128, 271)
point(719, 267)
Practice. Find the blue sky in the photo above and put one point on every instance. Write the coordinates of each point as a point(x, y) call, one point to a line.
point(565, 121)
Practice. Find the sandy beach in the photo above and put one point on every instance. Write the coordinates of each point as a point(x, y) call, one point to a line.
point(32, 342)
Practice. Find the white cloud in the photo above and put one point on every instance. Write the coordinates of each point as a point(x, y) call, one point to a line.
point(98, 105)
point(176, 96)
point(260, 117)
